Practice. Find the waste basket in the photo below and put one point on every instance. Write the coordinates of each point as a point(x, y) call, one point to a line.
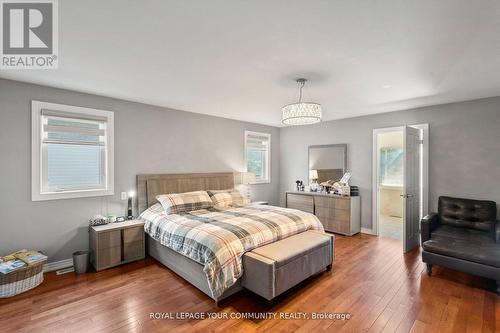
point(81, 261)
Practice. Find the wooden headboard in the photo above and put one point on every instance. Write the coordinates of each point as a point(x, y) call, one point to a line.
point(149, 186)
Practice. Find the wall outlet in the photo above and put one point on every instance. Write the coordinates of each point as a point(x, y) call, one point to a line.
point(124, 195)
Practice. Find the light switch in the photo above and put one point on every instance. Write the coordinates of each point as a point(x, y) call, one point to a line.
point(124, 195)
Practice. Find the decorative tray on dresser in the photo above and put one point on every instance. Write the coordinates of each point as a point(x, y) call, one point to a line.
point(337, 214)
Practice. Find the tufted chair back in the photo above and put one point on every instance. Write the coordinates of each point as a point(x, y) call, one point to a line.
point(467, 213)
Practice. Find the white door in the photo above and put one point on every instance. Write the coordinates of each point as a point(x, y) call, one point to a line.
point(411, 188)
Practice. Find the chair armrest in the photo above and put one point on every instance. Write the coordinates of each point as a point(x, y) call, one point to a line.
point(497, 232)
point(427, 225)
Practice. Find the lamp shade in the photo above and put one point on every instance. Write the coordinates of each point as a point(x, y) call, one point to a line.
point(248, 178)
point(301, 114)
point(313, 174)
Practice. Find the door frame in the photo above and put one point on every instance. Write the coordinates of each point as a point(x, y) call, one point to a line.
point(425, 171)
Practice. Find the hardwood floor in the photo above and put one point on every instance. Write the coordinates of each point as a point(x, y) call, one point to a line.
point(382, 290)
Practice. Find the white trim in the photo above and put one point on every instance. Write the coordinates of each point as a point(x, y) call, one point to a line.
point(65, 270)
point(36, 149)
point(375, 201)
point(55, 265)
point(268, 159)
point(425, 171)
point(367, 231)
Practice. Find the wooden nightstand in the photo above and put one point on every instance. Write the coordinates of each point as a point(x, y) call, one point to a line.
point(114, 244)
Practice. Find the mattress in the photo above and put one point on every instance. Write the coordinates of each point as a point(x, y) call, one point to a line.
point(218, 238)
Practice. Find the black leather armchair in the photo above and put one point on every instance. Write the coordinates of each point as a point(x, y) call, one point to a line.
point(464, 235)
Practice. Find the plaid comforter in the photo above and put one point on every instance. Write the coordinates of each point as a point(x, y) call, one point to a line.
point(218, 238)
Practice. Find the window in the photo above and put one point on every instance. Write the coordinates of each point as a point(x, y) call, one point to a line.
point(72, 152)
point(258, 155)
point(391, 167)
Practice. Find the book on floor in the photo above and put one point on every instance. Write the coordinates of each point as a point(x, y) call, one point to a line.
point(30, 257)
point(11, 266)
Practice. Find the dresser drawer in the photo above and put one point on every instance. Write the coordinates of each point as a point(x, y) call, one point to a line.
point(133, 250)
point(326, 202)
point(324, 212)
point(131, 235)
point(304, 208)
point(305, 200)
point(112, 238)
point(342, 204)
point(109, 257)
point(343, 227)
point(342, 215)
point(328, 224)
point(301, 202)
point(337, 226)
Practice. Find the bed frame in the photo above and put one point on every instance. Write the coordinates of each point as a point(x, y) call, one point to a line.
point(148, 187)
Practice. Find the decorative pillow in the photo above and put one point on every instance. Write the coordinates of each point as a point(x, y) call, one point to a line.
point(184, 202)
point(228, 198)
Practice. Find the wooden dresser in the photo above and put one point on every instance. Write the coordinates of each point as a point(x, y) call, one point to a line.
point(114, 244)
point(337, 214)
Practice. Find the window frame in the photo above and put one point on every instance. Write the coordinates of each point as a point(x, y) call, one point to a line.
point(38, 152)
point(382, 170)
point(267, 166)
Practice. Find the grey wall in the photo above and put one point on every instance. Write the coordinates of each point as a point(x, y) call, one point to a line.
point(148, 139)
point(464, 157)
point(464, 152)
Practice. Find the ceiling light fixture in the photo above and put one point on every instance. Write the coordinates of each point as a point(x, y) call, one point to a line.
point(301, 113)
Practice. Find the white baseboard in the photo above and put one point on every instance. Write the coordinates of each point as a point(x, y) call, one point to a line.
point(367, 231)
point(54, 266)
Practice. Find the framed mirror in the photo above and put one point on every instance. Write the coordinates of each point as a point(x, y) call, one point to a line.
point(327, 162)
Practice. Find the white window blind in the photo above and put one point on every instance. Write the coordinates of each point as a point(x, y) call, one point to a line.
point(75, 152)
point(257, 154)
point(73, 148)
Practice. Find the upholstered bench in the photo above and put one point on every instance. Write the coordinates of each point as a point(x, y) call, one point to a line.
point(274, 268)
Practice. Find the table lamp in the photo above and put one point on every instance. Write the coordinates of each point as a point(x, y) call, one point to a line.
point(131, 194)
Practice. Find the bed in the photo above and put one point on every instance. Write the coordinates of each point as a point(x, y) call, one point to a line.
point(183, 242)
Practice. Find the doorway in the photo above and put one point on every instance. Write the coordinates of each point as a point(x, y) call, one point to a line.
point(390, 183)
point(400, 182)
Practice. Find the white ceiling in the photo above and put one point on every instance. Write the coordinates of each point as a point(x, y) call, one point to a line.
point(238, 58)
